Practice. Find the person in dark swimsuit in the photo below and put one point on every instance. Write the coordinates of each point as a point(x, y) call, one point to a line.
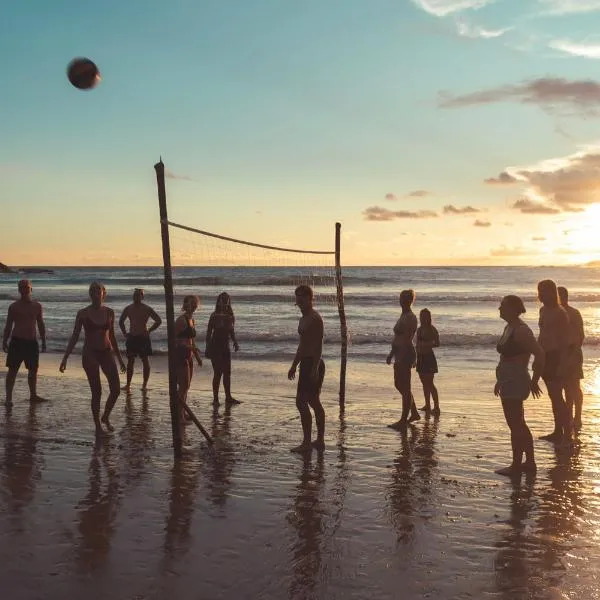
point(218, 333)
point(98, 324)
point(186, 350)
point(513, 383)
point(428, 338)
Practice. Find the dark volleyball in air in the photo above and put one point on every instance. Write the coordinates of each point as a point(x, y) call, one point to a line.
point(83, 73)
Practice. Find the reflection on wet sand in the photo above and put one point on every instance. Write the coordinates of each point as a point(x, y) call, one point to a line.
point(21, 464)
point(97, 512)
point(532, 556)
point(412, 478)
point(136, 439)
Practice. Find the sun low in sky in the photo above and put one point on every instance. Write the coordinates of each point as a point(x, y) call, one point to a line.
point(436, 131)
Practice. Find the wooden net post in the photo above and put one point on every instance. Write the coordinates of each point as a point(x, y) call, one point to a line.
point(342, 313)
point(159, 167)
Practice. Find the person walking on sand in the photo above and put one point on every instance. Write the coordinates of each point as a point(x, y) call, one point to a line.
point(554, 339)
point(23, 318)
point(404, 355)
point(138, 337)
point(312, 370)
point(428, 338)
point(574, 369)
point(98, 324)
point(219, 331)
point(513, 383)
point(186, 350)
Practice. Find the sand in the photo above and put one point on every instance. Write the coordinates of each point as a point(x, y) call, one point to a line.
point(378, 515)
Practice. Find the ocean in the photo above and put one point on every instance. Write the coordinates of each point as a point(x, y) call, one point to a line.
point(463, 301)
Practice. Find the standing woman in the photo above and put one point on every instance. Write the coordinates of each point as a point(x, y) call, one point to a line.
point(404, 355)
point(428, 338)
point(185, 349)
point(220, 329)
point(554, 339)
point(98, 323)
point(513, 383)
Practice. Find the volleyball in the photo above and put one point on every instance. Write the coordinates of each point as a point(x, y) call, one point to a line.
point(83, 73)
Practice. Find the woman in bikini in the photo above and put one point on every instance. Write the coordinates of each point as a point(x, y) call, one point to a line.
point(404, 355)
point(513, 383)
point(428, 338)
point(97, 322)
point(218, 333)
point(185, 349)
point(554, 339)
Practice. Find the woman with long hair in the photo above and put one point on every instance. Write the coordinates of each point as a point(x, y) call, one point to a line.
point(514, 384)
point(99, 348)
point(428, 338)
point(185, 349)
point(554, 339)
point(404, 355)
point(218, 333)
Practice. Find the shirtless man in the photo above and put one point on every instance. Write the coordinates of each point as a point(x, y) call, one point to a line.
point(312, 370)
point(23, 317)
point(574, 371)
point(138, 338)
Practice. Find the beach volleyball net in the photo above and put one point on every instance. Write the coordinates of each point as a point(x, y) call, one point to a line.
point(261, 279)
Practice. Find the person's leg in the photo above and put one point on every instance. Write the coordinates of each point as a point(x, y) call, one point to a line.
point(513, 413)
point(306, 420)
point(32, 363)
point(425, 378)
point(92, 371)
point(145, 372)
point(578, 401)
point(229, 399)
point(216, 381)
point(109, 368)
point(183, 385)
point(315, 403)
point(554, 389)
point(130, 368)
point(11, 377)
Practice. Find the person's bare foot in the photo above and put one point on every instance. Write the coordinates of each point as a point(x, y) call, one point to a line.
point(414, 417)
point(303, 447)
point(398, 425)
point(37, 399)
point(318, 445)
point(529, 467)
point(126, 388)
point(231, 401)
point(509, 471)
point(436, 411)
point(577, 425)
point(104, 420)
point(554, 437)
point(100, 431)
point(425, 408)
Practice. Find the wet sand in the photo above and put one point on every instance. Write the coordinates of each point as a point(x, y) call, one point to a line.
point(378, 515)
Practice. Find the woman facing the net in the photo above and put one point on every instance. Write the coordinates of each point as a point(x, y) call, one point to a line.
point(185, 349)
point(218, 333)
point(98, 324)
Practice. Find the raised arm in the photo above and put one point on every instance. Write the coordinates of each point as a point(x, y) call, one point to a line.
point(10, 320)
point(41, 327)
point(72, 341)
point(122, 319)
point(157, 320)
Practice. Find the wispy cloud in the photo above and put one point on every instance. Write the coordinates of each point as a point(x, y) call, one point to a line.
point(503, 179)
point(480, 223)
point(170, 175)
point(528, 207)
point(538, 239)
point(472, 31)
point(414, 194)
point(564, 7)
point(553, 94)
point(576, 48)
point(511, 251)
point(378, 213)
point(391, 197)
point(442, 8)
point(450, 209)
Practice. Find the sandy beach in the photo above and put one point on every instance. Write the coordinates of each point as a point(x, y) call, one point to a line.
point(378, 515)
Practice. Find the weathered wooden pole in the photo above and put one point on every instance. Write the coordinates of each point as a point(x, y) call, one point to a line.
point(159, 167)
point(342, 313)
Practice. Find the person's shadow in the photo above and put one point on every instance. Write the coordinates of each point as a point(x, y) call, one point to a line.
point(306, 517)
point(136, 436)
point(97, 511)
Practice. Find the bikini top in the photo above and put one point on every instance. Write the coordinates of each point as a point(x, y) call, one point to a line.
point(90, 325)
point(510, 347)
point(189, 333)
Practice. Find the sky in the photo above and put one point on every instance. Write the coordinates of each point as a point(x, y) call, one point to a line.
point(437, 132)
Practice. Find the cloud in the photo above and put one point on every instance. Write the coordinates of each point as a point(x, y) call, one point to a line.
point(563, 7)
point(553, 94)
point(450, 209)
point(170, 175)
point(527, 207)
point(511, 251)
point(378, 213)
point(503, 179)
point(391, 197)
point(538, 239)
point(576, 49)
point(480, 223)
point(474, 32)
point(418, 194)
point(442, 8)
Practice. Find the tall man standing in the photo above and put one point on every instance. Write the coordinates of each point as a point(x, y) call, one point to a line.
point(24, 317)
point(312, 370)
point(574, 369)
point(138, 337)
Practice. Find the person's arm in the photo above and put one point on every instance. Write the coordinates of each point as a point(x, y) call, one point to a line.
point(195, 349)
point(157, 321)
point(8, 328)
point(113, 339)
point(72, 341)
point(122, 319)
point(580, 331)
point(236, 346)
point(296, 361)
point(41, 327)
point(525, 337)
point(209, 333)
point(317, 331)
